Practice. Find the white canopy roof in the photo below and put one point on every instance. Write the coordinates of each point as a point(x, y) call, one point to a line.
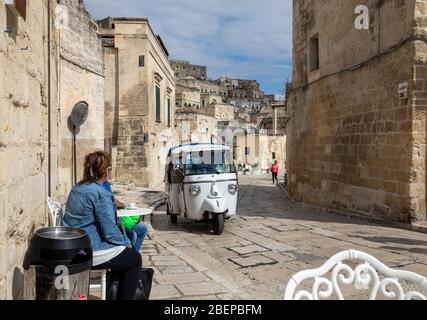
point(197, 147)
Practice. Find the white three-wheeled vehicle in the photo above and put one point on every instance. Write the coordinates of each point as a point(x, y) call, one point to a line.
point(201, 184)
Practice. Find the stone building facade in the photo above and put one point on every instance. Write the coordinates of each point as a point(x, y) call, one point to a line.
point(187, 97)
point(242, 89)
point(81, 67)
point(211, 98)
point(245, 95)
point(81, 78)
point(76, 62)
point(273, 119)
point(204, 86)
point(259, 150)
point(228, 106)
point(356, 140)
point(220, 111)
point(23, 136)
point(192, 127)
point(249, 105)
point(184, 69)
point(140, 99)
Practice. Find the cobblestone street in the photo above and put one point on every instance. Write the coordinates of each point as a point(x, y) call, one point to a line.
point(271, 239)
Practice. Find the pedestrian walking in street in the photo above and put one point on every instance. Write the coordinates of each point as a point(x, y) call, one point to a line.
point(91, 207)
point(275, 172)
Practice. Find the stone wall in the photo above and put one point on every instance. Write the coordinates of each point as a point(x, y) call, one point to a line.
point(418, 84)
point(210, 98)
point(185, 69)
point(222, 112)
point(353, 145)
point(161, 139)
point(142, 142)
point(258, 150)
point(187, 97)
point(206, 86)
point(23, 137)
point(246, 105)
point(77, 76)
point(111, 93)
point(193, 127)
point(81, 79)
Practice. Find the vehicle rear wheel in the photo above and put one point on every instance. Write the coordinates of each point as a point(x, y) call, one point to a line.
point(218, 224)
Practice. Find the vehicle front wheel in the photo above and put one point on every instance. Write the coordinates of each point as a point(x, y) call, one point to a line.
point(218, 224)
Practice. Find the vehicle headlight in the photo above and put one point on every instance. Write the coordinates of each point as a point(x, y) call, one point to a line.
point(195, 190)
point(232, 188)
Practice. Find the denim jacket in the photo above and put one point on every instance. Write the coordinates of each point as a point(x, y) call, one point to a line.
point(90, 207)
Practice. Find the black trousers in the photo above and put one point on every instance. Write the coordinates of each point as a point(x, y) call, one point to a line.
point(275, 178)
point(127, 266)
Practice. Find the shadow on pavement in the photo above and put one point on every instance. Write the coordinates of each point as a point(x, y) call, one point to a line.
point(272, 202)
point(412, 250)
point(257, 199)
point(412, 242)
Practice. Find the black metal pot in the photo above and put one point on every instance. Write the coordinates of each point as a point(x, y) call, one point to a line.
point(57, 264)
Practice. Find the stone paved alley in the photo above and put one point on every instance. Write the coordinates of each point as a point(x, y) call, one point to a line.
point(271, 239)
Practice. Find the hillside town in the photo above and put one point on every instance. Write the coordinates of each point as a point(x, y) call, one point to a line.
point(345, 145)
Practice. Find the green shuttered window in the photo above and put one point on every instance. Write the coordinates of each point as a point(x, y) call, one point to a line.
point(169, 112)
point(158, 108)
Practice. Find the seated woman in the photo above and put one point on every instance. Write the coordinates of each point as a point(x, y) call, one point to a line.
point(90, 207)
point(136, 230)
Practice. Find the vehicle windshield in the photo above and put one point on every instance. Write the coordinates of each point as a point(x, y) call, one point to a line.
point(209, 162)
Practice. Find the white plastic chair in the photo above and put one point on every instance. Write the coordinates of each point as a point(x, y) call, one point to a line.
point(102, 285)
point(55, 213)
point(364, 276)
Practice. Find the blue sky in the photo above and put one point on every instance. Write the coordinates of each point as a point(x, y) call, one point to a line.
point(249, 39)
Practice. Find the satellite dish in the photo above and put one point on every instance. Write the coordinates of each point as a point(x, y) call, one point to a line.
point(79, 114)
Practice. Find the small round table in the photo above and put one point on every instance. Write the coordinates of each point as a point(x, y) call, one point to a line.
point(139, 212)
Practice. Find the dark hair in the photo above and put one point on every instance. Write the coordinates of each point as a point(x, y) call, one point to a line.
point(95, 166)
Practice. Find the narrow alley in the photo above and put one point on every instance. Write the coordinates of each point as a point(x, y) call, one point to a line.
point(271, 239)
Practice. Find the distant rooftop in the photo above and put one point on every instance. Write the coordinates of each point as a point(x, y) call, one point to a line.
point(109, 23)
point(130, 18)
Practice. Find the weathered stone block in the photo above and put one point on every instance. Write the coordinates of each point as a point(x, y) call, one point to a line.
point(200, 288)
point(253, 261)
point(163, 292)
point(248, 249)
point(374, 136)
point(174, 279)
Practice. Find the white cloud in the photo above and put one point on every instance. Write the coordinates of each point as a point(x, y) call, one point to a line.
point(240, 38)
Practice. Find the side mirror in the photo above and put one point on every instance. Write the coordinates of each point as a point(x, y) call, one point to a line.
point(178, 167)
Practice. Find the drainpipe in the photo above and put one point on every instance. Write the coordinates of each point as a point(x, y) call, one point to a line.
point(275, 121)
point(49, 100)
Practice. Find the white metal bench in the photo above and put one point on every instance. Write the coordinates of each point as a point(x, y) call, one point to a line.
point(365, 276)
